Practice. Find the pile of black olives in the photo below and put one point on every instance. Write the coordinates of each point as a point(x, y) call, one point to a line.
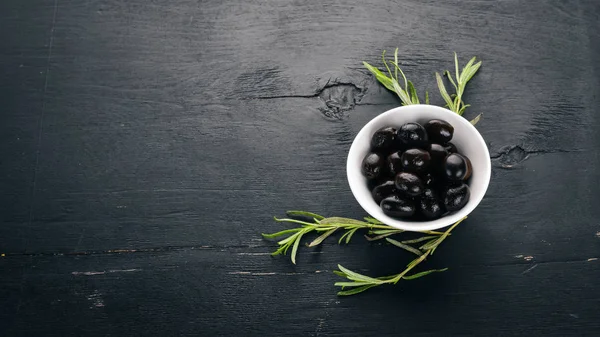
point(415, 172)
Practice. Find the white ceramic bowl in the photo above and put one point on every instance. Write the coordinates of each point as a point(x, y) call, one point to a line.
point(466, 138)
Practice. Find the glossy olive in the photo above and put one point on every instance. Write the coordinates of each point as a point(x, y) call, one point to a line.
point(397, 207)
point(456, 196)
point(409, 183)
point(438, 153)
point(384, 138)
point(457, 167)
point(415, 160)
point(383, 191)
point(439, 131)
point(372, 165)
point(451, 148)
point(394, 163)
point(412, 134)
point(429, 193)
point(431, 209)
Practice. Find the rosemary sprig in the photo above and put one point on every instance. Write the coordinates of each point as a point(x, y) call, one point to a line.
point(376, 229)
point(455, 101)
point(407, 93)
point(327, 226)
point(360, 283)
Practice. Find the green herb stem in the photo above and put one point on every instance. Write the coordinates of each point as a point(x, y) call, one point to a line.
point(408, 93)
point(361, 282)
point(376, 230)
point(327, 226)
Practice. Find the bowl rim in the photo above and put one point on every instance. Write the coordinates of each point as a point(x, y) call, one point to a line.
point(419, 225)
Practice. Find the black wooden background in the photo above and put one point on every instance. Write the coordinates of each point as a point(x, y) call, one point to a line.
point(146, 144)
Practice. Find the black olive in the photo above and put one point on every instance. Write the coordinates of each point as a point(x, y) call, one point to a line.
point(397, 207)
point(415, 160)
point(457, 167)
point(412, 134)
point(438, 153)
point(451, 148)
point(383, 191)
point(429, 179)
point(439, 131)
point(394, 163)
point(384, 138)
point(429, 193)
point(431, 208)
point(456, 197)
point(430, 205)
point(409, 183)
point(372, 165)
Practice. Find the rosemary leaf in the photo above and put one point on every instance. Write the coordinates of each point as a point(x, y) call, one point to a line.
point(456, 68)
point(476, 119)
point(386, 231)
point(443, 92)
point(284, 232)
point(404, 97)
point(320, 239)
point(306, 214)
point(386, 81)
point(449, 76)
point(350, 284)
point(386, 65)
point(358, 277)
point(421, 239)
point(350, 233)
point(295, 249)
point(470, 71)
point(423, 273)
point(356, 290)
point(373, 221)
point(289, 238)
point(378, 237)
point(404, 246)
point(294, 221)
point(343, 237)
point(413, 93)
point(340, 220)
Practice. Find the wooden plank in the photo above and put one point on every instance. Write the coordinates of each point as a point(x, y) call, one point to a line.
point(235, 212)
point(173, 130)
point(25, 37)
point(212, 292)
point(142, 169)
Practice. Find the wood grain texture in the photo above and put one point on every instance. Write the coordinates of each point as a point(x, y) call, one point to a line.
point(145, 145)
point(184, 293)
